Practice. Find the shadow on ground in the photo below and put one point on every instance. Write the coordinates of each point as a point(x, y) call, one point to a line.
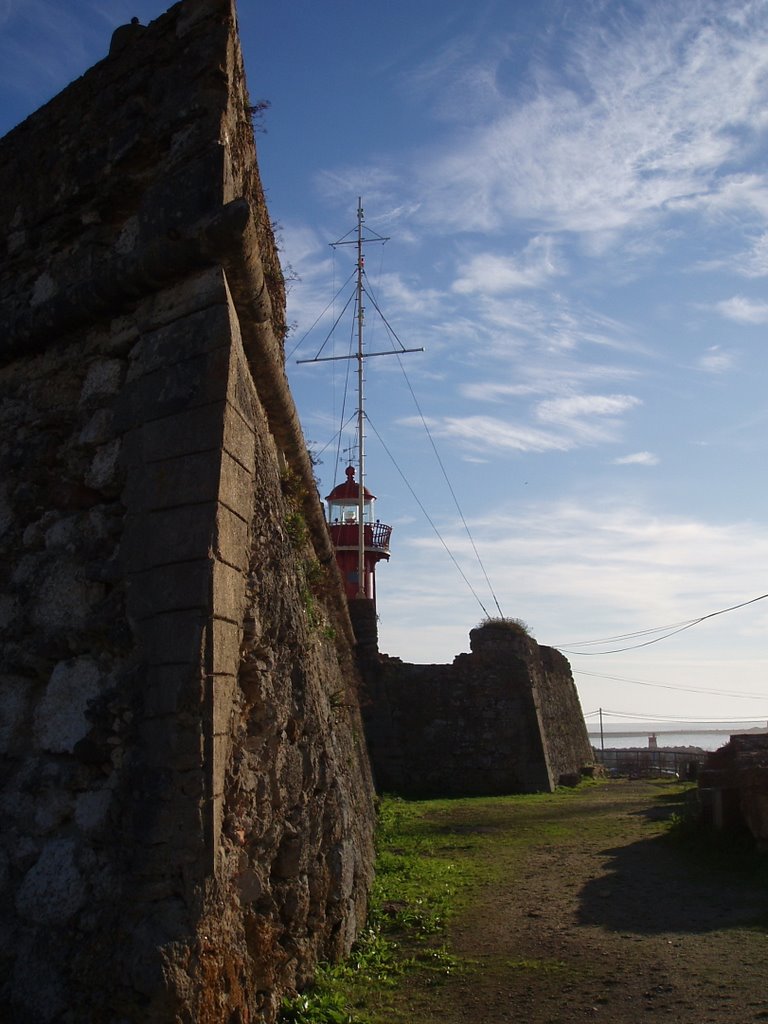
point(650, 887)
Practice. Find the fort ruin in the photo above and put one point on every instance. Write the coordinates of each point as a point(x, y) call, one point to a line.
point(186, 792)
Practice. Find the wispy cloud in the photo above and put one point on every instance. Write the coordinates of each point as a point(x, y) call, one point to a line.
point(728, 194)
point(485, 433)
point(578, 570)
point(716, 360)
point(752, 262)
point(566, 423)
point(377, 183)
point(492, 273)
point(410, 298)
point(637, 459)
point(743, 310)
point(644, 116)
point(552, 324)
point(316, 279)
point(534, 379)
point(565, 410)
point(586, 419)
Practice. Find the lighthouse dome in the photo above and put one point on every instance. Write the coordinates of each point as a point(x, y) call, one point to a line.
point(349, 489)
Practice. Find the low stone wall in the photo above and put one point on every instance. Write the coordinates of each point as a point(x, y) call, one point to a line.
point(733, 787)
point(186, 797)
point(504, 719)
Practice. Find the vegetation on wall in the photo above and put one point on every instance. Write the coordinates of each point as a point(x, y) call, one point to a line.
point(513, 625)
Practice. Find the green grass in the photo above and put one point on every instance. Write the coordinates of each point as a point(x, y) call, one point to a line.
point(411, 899)
point(437, 860)
point(431, 856)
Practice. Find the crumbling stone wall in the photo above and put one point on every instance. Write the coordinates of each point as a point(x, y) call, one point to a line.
point(504, 719)
point(733, 787)
point(186, 798)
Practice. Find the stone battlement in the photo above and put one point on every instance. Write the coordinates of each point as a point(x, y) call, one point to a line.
point(167, 702)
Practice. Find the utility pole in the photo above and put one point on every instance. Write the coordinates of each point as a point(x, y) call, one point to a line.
point(602, 738)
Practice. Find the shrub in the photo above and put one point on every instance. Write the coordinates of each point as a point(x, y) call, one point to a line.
point(501, 622)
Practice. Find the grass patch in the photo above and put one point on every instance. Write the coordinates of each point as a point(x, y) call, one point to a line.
point(439, 860)
point(543, 966)
point(432, 855)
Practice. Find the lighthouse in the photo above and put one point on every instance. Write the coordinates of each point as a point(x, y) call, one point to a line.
point(359, 539)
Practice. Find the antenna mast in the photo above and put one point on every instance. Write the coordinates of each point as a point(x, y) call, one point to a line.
point(361, 406)
point(361, 356)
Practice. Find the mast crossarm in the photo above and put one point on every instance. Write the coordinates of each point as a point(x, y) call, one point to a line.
point(367, 355)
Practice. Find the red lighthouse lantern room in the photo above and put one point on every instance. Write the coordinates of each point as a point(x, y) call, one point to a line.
point(358, 543)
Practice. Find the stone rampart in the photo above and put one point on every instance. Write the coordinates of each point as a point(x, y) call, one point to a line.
point(185, 792)
point(504, 719)
point(733, 787)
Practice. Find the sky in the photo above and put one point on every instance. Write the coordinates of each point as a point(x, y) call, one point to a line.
point(575, 194)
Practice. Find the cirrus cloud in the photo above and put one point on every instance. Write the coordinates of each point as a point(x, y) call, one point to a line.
point(743, 310)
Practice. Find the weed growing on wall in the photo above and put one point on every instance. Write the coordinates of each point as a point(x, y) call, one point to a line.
point(293, 517)
point(516, 626)
point(312, 576)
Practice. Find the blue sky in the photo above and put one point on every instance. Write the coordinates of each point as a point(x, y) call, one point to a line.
point(577, 202)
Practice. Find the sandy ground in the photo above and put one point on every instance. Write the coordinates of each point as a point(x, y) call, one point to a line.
point(606, 921)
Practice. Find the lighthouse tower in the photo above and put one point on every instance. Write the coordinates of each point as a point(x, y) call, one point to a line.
point(360, 540)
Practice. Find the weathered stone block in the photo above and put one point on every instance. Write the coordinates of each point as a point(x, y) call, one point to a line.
point(225, 647)
point(232, 538)
point(103, 472)
point(53, 889)
point(173, 690)
point(65, 598)
point(236, 490)
point(224, 690)
point(173, 638)
point(60, 719)
point(170, 390)
point(91, 809)
point(228, 592)
point(173, 587)
point(163, 536)
point(193, 430)
point(171, 742)
point(201, 289)
point(186, 480)
point(15, 707)
point(186, 336)
point(239, 438)
point(103, 380)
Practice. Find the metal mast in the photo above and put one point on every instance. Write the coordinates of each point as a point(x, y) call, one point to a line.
point(361, 356)
point(361, 406)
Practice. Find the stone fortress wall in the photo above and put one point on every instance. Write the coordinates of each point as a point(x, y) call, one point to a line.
point(504, 719)
point(186, 799)
point(185, 792)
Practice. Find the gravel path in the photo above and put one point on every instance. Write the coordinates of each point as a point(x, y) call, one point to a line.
point(598, 918)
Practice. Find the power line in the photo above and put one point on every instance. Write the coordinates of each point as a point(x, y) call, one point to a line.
point(427, 516)
point(644, 717)
point(672, 631)
point(741, 695)
point(437, 456)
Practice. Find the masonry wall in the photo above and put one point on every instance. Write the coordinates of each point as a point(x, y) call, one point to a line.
point(186, 797)
point(504, 719)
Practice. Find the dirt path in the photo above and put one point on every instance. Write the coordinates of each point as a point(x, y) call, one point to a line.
point(595, 917)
